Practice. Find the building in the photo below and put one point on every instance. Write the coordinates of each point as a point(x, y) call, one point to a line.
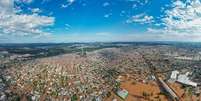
point(181, 78)
point(173, 76)
point(184, 79)
point(122, 93)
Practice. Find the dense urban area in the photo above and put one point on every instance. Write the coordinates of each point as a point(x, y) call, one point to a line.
point(132, 71)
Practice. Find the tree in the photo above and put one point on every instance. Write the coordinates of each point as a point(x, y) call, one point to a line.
point(74, 98)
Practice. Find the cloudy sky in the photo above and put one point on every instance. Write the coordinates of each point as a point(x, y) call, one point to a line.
point(28, 21)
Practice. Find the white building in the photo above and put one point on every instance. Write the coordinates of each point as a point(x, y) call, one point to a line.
point(183, 78)
point(184, 58)
point(173, 76)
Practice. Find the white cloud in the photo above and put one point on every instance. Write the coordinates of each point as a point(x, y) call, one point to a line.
point(69, 2)
point(6, 6)
point(107, 15)
point(64, 6)
point(122, 13)
point(105, 4)
point(36, 10)
point(45, 1)
point(67, 26)
point(182, 22)
point(24, 1)
point(141, 18)
point(23, 24)
point(139, 2)
point(134, 6)
point(184, 16)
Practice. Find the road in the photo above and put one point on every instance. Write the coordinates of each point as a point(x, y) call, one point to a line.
point(171, 94)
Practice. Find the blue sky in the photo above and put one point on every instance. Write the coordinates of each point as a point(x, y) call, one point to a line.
point(28, 21)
